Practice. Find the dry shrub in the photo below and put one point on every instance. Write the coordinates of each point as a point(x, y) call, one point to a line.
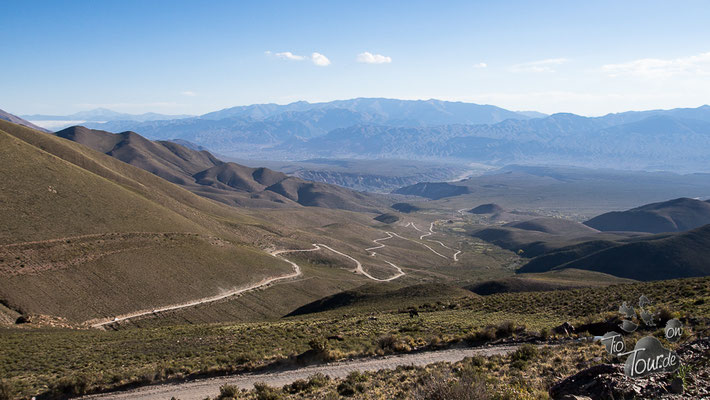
point(391, 343)
point(440, 387)
point(505, 329)
point(6, 392)
point(228, 392)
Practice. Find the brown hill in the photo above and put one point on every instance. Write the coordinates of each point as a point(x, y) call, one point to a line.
point(387, 218)
point(227, 182)
point(675, 215)
point(372, 297)
point(539, 236)
point(515, 285)
point(6, 116)
point(647, 258)
point(489, 208)
point(84, 235)
point(554, 226)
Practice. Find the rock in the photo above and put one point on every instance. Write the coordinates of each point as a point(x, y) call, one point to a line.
point(600, 328)
point(676, 386)
point(564, 329)
point(573, 397)
point(585, 382)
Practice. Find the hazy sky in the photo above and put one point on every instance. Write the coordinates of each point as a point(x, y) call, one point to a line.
point(589, 58)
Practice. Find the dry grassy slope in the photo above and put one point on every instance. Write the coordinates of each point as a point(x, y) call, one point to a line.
point(229, 183)
point(52, 188)
point(668, 216)
point(678, 255)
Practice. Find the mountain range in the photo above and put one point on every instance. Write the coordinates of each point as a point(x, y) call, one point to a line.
point(227, 182)
point(103, 114)
point(431, 130)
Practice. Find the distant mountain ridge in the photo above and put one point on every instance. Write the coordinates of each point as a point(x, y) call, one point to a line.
point(6, 116)
point(104, 114)
point(206, 175)
point(675, 215)
point(372, 128)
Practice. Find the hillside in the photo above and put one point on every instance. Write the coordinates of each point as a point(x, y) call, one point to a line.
point(6, 116)
point(676, 215)
point(555, 226)
point(204, 174)
point(76, 223)
point(433, 190)
point(369, 297)
point(489, 208)
point(652, 258)
point(539, 236)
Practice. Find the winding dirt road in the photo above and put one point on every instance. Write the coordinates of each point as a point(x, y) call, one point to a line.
point(267, 281)
point(200, 389)
point(99, 323)
point(359, 270)
point(429, 233)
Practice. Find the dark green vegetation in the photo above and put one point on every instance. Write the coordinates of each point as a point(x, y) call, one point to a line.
point(489, 208)
point(387, 218)
point(669, 216)
point(33, 360)
point(204, 174)
point(517, 284)
point(433, 190)
point(405, 207)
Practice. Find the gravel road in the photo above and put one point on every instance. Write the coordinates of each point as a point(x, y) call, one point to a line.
point(202, 388)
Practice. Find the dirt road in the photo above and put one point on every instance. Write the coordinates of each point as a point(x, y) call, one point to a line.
point(98, 323)
point(200, 389)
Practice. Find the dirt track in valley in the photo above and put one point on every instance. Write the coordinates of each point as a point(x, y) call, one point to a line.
point(99, 323)
point(202, 388)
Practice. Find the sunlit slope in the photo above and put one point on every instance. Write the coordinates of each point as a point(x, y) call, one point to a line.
point(83, 235)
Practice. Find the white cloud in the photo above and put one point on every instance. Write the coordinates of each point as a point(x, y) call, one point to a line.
point(320, 60)
point(188, 93)
point(661, 68)
point(287, 55)
point(546, 65)
point(316, 58)
point(480, 65)
point(369, 58)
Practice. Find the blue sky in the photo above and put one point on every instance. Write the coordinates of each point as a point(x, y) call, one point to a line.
point(193, 57)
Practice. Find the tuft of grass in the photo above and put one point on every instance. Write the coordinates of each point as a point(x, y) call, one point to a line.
point(266, 392)
point(228, 392)
point(6, 390)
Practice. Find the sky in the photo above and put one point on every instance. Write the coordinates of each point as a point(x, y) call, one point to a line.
point(193, 57)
